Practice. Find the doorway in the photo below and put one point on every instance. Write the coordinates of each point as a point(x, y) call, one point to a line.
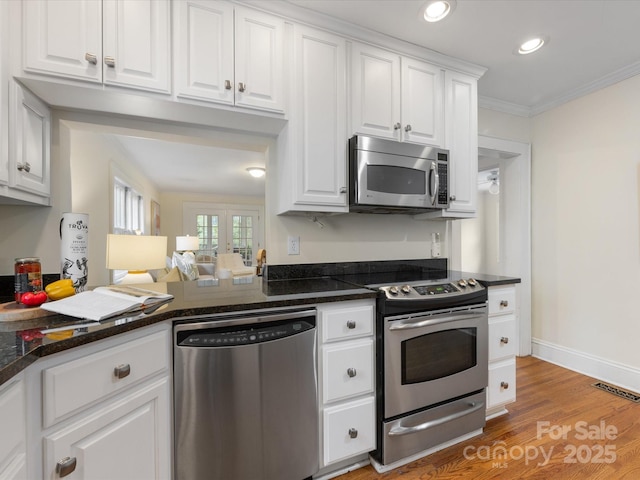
point(498, 240)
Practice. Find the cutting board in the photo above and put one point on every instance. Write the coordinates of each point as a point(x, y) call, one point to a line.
point(15, 311)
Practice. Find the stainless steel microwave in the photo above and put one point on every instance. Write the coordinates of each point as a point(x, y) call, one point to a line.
point(386, 176)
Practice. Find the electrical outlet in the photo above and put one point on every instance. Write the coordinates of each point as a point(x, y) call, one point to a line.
point(293, 245)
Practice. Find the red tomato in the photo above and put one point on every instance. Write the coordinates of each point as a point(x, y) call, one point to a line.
point(33, 299)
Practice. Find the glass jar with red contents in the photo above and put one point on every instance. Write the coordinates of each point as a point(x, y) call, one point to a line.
point(28, 276)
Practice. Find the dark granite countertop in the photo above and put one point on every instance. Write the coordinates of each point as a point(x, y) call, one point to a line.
point(490, 280)
point(23, 342)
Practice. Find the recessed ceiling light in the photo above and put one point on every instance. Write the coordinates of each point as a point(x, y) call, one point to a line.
point(256, 171)
point(532, 44)
point(436, 10)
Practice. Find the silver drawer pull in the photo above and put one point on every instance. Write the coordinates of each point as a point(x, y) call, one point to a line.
point(91, 58)
point(241, 87)
point(353, 433)
point(122, 371)
point(110, 62)
point(65, 466)
point(407, 128)
point(504, 303)
point(227, 85)
point(397, 126)
point(504, 385)
point(351, 324)
point(351, 372)
point(24, 167)
point(504, 340)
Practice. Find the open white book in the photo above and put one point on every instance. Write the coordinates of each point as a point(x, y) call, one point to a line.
point(105, 302)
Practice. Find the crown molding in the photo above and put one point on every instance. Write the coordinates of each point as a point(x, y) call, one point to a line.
point(497, 105)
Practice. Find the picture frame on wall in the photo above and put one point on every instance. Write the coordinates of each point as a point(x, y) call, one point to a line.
point(155, 218)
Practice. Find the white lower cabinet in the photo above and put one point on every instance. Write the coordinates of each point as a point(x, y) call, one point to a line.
point(13, 440)
point(106, 409)
point(502, 349)
point(347, 380)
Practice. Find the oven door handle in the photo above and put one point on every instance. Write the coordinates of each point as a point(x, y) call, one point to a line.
point(416, 323)
point(398, 431)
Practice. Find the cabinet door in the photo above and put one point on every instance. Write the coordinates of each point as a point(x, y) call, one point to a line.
point(422, 103)
point(375, 92)
point(259, 48)
point(203, 33)
point(29, 142)
point(349, 430)
point(136, 44)
point(13, 439)
point(4, 93)
point(462, 140)
point(319, 119)
point(63, 38)
point(129, 438)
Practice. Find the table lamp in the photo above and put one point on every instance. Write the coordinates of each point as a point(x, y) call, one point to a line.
point(136, 254)
point(186, 245)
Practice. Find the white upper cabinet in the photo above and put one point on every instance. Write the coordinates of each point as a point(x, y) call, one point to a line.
point(115, 42)
point(228, 54)
point(396, 97)
point(318, 123)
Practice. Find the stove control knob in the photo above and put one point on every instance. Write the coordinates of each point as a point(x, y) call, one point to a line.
point(462, 282)
point(394, 290)
point(472, 282)
point(406, 289)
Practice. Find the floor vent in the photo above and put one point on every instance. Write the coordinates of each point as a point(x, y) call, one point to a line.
point(634, 397)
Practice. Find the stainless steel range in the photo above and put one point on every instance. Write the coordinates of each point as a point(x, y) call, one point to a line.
point(432, 365)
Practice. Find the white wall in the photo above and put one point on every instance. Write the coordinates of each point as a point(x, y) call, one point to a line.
point(585, 216)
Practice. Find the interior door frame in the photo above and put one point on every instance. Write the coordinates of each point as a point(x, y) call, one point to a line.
point(516, 239)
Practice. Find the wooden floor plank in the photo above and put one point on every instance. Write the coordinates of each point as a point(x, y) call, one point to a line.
point(601, 437)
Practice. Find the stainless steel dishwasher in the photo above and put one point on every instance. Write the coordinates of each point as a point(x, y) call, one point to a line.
point(246, 396)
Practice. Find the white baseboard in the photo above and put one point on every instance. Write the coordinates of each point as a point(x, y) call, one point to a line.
point(618, 374)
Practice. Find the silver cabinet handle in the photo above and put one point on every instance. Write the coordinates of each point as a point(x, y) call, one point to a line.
point(241, 87)
point(91, 58)
point(343, 189)
point(397, 126)
point(351, 372)
point(24, 167)
point(504, 303)
point(452, 198)
point(110, 62)
point(122, 371)
point(504, 385)
point(504, 340)
point(353, 433)
point(228, 85)
point(65, 466)
point(351, 324)
point(407, 128)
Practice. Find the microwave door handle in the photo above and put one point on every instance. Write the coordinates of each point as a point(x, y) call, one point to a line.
point(433, 176)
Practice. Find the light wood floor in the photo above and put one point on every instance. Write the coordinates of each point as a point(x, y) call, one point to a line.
point(545, 393)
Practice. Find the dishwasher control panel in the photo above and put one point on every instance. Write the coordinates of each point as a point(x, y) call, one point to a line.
point(245, 335)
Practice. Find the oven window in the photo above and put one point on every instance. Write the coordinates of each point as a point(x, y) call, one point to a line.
point(397, 180)
point(438, 355)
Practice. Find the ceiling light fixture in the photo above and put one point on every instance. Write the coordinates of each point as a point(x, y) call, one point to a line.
point(256, 172)
point(494, 187)
point(532, 45)
point(436, 10)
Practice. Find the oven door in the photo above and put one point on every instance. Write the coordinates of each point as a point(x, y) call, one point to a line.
point(432, 357)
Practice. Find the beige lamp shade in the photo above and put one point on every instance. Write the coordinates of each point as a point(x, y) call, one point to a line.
point(187, 243)
point(136, 252)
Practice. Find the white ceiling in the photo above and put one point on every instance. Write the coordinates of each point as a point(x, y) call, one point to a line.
point(591, 42)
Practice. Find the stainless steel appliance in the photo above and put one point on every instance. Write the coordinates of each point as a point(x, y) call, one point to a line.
point(246, 396)
point(433, 365)
point(386, 176)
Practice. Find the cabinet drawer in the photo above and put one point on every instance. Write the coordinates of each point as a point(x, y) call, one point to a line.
point(502, 383)
point(347, 369)
point(346, 322)
point(502, 337)
point(349, 429)
point(74, 385)
point(502, 299)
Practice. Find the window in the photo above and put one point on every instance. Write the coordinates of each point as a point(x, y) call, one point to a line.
point(128, 208)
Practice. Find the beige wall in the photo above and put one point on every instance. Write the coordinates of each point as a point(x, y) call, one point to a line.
point(585, 177)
